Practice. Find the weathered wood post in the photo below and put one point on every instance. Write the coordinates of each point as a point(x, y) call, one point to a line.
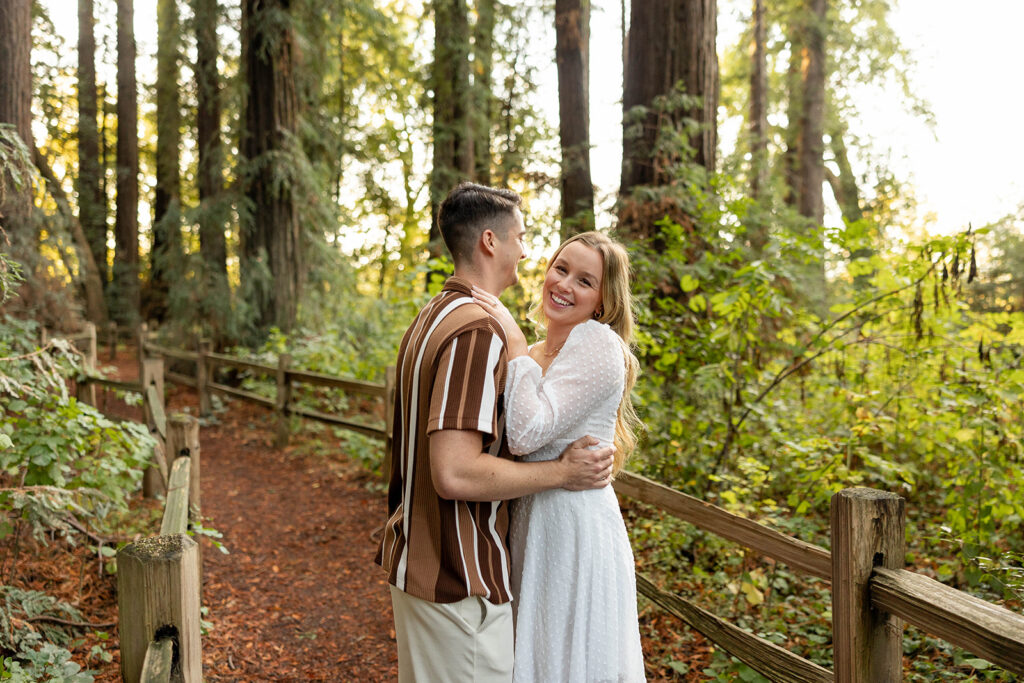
point(284, 396)
point(157, 596)
point(141, 336)
point(151, 374)
point(183, 442)
point(389, 418)
point(111, 332)
point(867, 532)
point(86, 392)
point(203, 347)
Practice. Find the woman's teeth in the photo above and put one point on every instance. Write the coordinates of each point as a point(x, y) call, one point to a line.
point(560, 301)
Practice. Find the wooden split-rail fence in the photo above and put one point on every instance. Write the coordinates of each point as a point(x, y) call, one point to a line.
point(159, 578)
point(873, 595)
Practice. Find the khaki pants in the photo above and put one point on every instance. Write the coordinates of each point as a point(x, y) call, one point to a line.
point(469, 641)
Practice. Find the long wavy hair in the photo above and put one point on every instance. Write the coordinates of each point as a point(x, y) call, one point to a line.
point(617, 313)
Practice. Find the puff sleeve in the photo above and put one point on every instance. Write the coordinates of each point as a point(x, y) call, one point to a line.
point(541, 408)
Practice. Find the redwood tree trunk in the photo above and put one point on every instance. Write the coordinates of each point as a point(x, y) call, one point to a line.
point(453, 148)
point(812, 165)
point(15, 109)
point(212, 243)
point(166, 253)
point(125, 295)
point(572, 54)
point(271, 238)
point(92, 205)
point(758, 124)
point(670, 42)
point(758, 104)
point(483, 114)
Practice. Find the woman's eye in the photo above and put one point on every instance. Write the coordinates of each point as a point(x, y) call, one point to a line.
point(585, 282)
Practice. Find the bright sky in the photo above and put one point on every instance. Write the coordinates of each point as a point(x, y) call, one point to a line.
point(965, 170)
point(968, 64)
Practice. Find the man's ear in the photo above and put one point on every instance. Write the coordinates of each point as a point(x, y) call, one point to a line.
point(488, 242)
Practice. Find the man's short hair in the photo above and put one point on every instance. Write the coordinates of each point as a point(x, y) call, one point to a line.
point(468, 210)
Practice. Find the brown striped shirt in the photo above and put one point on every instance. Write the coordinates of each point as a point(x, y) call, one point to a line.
point(450, 375)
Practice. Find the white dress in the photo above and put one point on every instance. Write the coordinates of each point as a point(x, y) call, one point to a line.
point(572, 566)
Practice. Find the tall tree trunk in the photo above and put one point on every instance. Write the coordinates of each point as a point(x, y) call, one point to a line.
point(15, 109)
point(92, 205)
point(483, 114)
point(670, 42)
point(453, 149)
point(572, 54)
point(166, 253)
point(758, 125)
point(758, 104)
point(844, 185)
point(271, 238)
point(212, 219)
point(811, 203)
point(812, 165)
point(126, 226)
point(95, 306)
point(794, 117)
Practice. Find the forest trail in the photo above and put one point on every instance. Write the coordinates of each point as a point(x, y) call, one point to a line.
point(298, 597)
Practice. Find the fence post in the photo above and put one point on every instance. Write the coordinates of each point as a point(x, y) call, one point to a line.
point(87, 391)
point(284, 396)
point(157, 596)
point(112, 339)
point(867, 532)
point(154, 480)
point(183, 441)
point(141, 334)
point(389, 418)
point(203, 377)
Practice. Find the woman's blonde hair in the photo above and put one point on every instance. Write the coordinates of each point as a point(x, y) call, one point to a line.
point(617, 312)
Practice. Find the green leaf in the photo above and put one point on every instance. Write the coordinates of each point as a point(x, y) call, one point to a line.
point(689, 283)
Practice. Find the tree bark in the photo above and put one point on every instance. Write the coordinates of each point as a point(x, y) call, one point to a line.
point(210, 180)
point(453, 149)
point(811, 203)
point(758, 104)
point(812, 165)
point(92, 204)
point(670, 42)
point(95, 306)
point(15, 109)
point(271, 236)
point(572, 54)
point(483, 114)
point(166, 253)
point(758, 124)
point(126, 226)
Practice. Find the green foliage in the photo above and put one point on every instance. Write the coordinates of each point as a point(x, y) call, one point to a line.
point(64, 469)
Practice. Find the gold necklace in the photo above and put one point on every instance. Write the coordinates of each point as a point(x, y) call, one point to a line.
point(552, 353)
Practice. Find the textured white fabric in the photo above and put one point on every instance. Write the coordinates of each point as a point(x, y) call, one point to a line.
point(572, 567)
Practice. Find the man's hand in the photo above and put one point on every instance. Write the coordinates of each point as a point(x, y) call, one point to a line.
point(587, 469)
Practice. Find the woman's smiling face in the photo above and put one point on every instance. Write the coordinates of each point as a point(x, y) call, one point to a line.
point(572, 285)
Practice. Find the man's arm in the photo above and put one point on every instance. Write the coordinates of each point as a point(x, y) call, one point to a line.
point(462, 471)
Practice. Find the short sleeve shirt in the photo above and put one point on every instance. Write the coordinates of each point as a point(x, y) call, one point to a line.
point(451, 372)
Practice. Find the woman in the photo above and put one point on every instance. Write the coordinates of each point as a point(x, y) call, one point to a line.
point(572, 566)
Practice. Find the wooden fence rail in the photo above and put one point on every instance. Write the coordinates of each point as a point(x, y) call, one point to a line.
point(207, 362)
point(871, 593)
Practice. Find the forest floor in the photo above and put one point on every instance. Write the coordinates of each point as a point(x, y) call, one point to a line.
point(297, 597)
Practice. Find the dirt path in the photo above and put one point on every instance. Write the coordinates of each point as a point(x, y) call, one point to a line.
point(298, 597)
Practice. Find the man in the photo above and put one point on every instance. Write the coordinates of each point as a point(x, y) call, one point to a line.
point(445, 542)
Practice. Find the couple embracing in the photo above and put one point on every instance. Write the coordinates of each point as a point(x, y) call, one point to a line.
point(506, 552)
